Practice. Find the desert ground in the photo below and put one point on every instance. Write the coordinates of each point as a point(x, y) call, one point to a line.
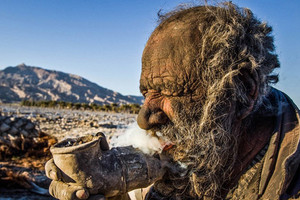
point(60, 124)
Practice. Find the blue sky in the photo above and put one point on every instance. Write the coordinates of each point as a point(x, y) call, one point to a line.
point(103, 40)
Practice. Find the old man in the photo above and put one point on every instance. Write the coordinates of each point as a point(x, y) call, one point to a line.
point(206, 75)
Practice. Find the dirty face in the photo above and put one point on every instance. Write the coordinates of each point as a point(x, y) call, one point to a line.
point(175, 104)
point(168, 75)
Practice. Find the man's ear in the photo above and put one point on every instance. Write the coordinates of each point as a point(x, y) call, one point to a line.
point(249, 79)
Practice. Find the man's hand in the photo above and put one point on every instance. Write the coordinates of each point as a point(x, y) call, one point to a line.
point(78, 172)
point(61, 190)
point(70, 191)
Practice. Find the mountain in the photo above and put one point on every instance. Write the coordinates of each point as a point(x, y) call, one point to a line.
point(35, 83)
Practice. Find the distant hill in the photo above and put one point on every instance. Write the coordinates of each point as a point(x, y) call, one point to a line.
point(35, 83)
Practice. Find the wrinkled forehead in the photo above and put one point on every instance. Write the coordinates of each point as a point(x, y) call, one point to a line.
point(168, 57)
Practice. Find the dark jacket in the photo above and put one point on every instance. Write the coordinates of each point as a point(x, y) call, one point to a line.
point(275, 172)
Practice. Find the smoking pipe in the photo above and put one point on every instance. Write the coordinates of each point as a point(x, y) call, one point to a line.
point(110, 173)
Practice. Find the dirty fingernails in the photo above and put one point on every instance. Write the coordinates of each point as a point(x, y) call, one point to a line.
point(82, 194)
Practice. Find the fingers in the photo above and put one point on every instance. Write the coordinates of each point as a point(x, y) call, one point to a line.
point(64, 191)
point(52, 170)
point(103, 142)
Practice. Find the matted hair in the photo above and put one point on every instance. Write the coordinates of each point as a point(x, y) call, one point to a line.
point(229, 41)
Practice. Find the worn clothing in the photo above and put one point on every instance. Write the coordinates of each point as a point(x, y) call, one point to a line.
point(275, 171)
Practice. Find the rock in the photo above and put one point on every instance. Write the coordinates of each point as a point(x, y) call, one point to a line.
point(4, 127)
point(35, 133)
point(4, 135)
point(110, 126)
point(13, 131)
point(25, 133)
point(19, 123)
point(29, 126)
point(7, 120)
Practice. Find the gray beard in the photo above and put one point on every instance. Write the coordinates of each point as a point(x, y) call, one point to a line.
point(209, 149)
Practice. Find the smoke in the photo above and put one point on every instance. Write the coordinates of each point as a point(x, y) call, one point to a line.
point(140, 139)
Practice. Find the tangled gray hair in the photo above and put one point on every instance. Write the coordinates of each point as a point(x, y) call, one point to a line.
point(228, 41)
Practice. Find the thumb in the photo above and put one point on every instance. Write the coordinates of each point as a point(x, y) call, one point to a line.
point(65, 191)
point(52, 171)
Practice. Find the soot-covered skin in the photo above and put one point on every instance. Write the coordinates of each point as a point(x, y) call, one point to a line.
point(168, 76)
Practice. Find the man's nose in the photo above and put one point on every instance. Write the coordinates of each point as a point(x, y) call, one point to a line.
point(149, 118)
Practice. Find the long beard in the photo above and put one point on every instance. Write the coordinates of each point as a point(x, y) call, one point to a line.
point(208, 147)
